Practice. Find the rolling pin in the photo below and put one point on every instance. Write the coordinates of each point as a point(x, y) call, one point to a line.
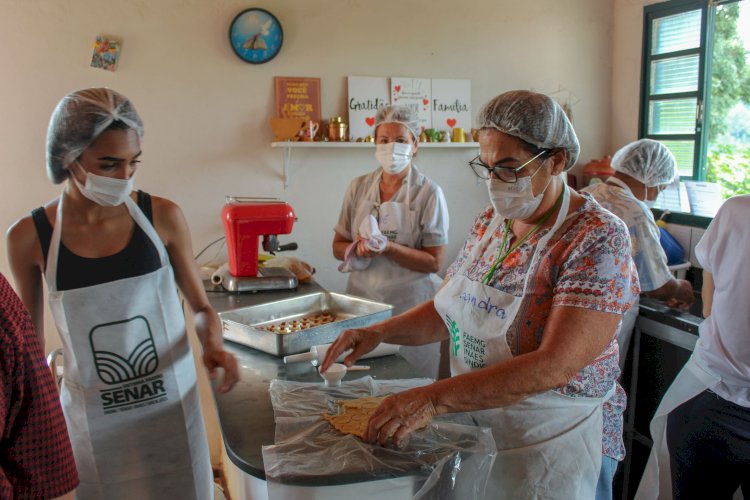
point(317, 352)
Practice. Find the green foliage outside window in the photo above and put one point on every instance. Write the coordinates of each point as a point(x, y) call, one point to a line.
point(729, 166)
point(728, 159)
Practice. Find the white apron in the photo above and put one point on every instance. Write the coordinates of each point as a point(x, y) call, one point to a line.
point(387, 281)
point(549, 445)
point(626, 332)
point(694, 378)
point(129, 391)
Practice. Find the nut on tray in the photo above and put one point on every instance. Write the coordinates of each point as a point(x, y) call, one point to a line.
point(257, 326)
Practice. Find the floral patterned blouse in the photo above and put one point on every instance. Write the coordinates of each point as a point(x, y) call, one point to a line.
point(586, 264)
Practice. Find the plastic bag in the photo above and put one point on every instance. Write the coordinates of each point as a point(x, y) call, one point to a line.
point(301, 269)
point(672, 248)
point(450, 459)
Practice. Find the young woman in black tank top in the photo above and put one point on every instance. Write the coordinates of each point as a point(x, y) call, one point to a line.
point(114, 302)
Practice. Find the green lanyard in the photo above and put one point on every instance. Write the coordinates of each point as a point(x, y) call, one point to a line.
point(523, 240)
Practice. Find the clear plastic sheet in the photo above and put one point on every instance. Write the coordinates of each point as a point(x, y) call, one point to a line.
point(449, 459)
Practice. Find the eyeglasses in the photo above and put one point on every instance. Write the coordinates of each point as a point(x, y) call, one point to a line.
point(505, 174)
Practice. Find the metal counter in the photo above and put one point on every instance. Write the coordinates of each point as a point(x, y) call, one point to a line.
point(686, 321)
point(663, 341)
point(245, 412)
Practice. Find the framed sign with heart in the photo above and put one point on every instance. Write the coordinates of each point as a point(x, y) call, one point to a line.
point(366, 95)
point(451, 104)
point(415, 93)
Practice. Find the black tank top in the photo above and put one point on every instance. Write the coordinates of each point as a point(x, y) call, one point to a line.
point(139, 257)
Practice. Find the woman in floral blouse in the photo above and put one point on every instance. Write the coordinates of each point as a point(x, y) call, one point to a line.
point(532, 306)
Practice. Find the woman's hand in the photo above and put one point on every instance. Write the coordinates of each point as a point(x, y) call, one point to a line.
point(400, 415)
point(219, 358)
point(360, 341)
point(364, 251)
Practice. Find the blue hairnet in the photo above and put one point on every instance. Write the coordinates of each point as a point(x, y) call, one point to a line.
point(647, 161)
point(403, 115)
point(79, 118)
point(534, 118)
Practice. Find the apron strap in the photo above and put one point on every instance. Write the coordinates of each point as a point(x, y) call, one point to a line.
point(148, 228)
point(50, 273)
point(561, 215)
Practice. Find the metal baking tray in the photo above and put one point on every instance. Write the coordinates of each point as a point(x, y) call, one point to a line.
point(243, 325)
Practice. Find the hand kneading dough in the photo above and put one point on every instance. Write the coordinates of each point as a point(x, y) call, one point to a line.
point(355, 415)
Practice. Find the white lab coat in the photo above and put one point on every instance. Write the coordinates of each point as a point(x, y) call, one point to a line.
point(417, 217)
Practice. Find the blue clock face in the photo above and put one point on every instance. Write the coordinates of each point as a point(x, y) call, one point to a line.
point(256, 36)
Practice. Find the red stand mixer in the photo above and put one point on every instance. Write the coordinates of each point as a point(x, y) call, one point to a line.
point(246, 220)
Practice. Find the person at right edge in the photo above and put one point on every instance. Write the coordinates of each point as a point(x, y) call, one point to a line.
point(642, 170)
point(701, 430)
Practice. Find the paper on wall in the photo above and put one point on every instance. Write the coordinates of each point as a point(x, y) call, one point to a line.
point(415, 93)
point(366, 95)
point(451, 104)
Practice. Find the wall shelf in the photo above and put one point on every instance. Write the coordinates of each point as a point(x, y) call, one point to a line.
point(338, 145)
point(287, 146)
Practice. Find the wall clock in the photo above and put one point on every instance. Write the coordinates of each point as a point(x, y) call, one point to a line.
point(256, 35)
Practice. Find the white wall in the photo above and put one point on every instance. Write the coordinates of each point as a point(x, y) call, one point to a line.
point(206, 111)
point(627, 44)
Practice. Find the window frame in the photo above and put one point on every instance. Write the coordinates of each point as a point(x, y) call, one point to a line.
point(699, 138)
point(702, 94)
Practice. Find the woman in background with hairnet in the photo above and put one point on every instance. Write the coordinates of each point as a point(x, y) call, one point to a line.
point(642, 170)
point(393, 228)
point(532, 307)
point(111, 257)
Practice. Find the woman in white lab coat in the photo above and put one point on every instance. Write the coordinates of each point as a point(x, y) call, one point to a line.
point(701, 430)
point(531, 308)
point(393, 228)
point(113, 259)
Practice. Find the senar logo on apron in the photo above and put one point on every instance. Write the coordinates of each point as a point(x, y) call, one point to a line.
point(124, 351)
point(117, 360)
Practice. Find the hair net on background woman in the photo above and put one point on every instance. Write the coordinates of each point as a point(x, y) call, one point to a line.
point(398, 114)
point(647, 161)
point(79, 118)
point(534, 118)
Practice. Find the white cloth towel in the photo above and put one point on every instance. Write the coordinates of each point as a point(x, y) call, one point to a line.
point(374, 240)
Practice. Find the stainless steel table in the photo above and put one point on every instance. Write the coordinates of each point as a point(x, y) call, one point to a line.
point(245, 412)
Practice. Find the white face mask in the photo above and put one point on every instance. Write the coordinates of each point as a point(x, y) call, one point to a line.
point(514, 201)
point(106, 191)
point(394, 157)
point(646, 201)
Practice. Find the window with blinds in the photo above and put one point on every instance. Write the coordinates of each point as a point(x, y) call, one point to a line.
point(695, 89)
point(673, 88)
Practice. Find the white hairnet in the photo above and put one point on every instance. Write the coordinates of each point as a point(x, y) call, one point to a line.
point(402, 115)
point(647, 161)
point(533, 118)
point(79, 118)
